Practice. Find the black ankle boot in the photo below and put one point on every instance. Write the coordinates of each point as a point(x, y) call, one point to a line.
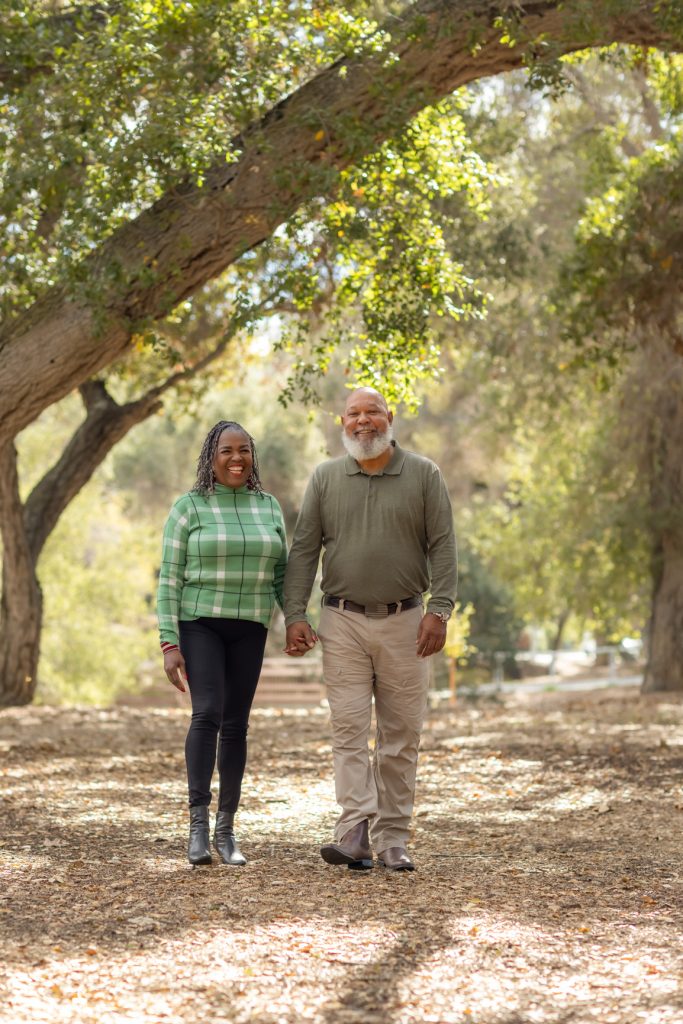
point(198, 847)
point(225, 842)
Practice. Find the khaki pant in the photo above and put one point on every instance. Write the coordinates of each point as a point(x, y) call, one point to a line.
point(362, 658)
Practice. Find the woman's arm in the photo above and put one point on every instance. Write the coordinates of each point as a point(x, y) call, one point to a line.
point(281, 564)
point(172, 573)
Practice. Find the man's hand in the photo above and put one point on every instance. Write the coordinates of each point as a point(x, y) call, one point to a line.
point(431, 636)
point(300, 639)
point(174, 667)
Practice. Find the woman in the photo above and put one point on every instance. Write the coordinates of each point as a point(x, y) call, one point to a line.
point(222, 569)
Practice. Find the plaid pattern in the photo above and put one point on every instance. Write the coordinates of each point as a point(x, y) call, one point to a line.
point(223, 556)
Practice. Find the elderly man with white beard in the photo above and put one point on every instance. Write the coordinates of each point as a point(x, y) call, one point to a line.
point(383, 519)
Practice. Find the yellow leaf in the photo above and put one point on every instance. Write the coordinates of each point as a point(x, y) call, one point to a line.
point(319, 136)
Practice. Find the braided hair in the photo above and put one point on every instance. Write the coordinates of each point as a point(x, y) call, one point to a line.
point(205, 483)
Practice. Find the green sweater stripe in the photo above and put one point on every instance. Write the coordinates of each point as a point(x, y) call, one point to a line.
point(223, 556)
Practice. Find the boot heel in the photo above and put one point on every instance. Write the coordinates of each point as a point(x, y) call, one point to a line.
point(198, 847)
point(225, 842)
point(360, 865)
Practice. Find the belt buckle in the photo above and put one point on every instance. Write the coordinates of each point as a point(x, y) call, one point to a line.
point(376, 611)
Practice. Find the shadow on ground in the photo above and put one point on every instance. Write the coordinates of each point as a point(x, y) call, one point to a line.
point(546, 834)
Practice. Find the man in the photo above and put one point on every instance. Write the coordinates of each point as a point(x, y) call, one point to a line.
point(384, 519)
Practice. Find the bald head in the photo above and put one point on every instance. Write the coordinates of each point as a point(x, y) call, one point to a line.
point(366, 393)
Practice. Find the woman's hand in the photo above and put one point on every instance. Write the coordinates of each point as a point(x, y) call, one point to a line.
point(174, 667)
point(300, 639)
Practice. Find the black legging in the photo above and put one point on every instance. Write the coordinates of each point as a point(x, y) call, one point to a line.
point(223, 659)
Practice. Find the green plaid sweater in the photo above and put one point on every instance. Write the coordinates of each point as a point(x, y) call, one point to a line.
point(223, 556)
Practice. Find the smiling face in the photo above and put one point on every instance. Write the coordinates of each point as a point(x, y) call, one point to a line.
point(233, 461)
point(367, 424)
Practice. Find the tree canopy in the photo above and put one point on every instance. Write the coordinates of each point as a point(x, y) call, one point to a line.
point(150, 146)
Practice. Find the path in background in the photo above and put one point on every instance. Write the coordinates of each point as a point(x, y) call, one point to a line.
point(547, 836)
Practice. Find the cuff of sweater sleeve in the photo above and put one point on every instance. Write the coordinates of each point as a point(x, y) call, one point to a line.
point(289, 619)
point(440, 606)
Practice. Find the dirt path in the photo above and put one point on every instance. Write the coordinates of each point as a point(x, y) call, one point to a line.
point(547, 834)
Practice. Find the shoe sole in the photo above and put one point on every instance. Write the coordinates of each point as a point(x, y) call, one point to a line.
point(333, 855)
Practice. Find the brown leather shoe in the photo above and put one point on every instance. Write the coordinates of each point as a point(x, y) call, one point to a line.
point(353, 849)
point(395, 859)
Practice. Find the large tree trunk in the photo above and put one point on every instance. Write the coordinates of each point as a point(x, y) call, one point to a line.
point(665, 642)
point(25, 529)
point(21, 606)
point(192, 234)
point(664, 670)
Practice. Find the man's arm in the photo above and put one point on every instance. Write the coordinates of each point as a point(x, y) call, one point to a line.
point(443, 563)
point(301, 570)
point(442, 552)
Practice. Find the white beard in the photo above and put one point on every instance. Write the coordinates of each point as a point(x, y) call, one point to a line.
point(370, 448)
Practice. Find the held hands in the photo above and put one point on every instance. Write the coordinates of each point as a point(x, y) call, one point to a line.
point(174, 667)
point(300, 639)
point(431, 635)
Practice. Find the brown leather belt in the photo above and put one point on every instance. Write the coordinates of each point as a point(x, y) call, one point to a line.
point(372, 611)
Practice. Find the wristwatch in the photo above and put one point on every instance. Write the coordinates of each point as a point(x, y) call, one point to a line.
point(444, 616)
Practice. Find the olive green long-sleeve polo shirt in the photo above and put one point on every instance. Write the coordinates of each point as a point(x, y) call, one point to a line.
point(384, 537)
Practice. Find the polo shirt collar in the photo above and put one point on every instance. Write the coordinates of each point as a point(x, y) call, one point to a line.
point(392, 468)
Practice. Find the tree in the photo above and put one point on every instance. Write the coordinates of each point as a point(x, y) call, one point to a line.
point(626, 278)
point(25, 526)
point(224, 194)
point(366, 251)
point(585, 419)
point(118, 215)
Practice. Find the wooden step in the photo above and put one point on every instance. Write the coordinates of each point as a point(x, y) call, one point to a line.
point(291, 682)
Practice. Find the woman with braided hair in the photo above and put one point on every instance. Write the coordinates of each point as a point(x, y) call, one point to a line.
point(223, 564)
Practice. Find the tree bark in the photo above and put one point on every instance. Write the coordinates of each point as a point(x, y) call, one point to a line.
point(664, 671)
point(21, 605)
point(295, 153)
point(562, 620)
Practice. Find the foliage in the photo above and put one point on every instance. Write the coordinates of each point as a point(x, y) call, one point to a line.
point(626, 270)
point(383, 245)
point(458, 644)
point(98, 586)
point(156, 462)
point(403, 260)
point(573, 528)
point(493, 624)
point(104, 109)
point(571, 533)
